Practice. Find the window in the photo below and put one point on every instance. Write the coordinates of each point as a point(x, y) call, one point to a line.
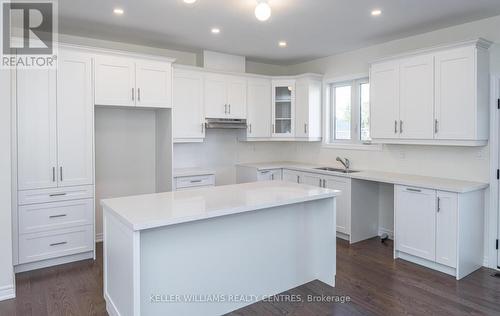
point(349, 112)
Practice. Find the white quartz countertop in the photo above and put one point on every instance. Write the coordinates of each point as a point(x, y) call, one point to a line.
point(190, 172)
point(444, 184)
point(148, 211)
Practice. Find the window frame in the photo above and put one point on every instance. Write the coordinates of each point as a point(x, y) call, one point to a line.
point(329, 141)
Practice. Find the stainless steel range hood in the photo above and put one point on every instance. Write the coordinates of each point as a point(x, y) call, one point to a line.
point(226, 123)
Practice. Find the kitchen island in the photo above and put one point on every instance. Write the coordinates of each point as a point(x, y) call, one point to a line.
point(213, 250)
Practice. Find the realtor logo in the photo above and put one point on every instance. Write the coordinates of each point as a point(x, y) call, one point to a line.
point(28, 34)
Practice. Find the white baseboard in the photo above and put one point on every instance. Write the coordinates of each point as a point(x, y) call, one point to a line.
point(7, 292)
point(389, 232)
point(98, 237)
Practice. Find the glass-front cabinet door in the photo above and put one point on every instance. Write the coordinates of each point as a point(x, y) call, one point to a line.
point(283, 108)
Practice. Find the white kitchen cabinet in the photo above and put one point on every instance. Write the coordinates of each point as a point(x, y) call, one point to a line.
point(269, 175)
point(384, 100)
point(114, 81)
point(124, 81)
point(440, 230)
point(259, 108)
point(283, 108)
point(461, 94)
point(416, 112)
point(55, 169)
point(415, 215)
point(245, 174)
point(446, 228)
point(237, 97)
point(36, 129)
point(291, 176)
point(342, 184)
point(343, 202)
point(308, 108)
point(75, 119)
point(311, 179)
point(188, 113)
point(154, 84)
point(434, 97)
point(225, 96)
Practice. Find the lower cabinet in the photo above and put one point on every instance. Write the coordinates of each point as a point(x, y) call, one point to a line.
point(440, 230)
point(245, 174)
point(336, 183)
point(55, 229)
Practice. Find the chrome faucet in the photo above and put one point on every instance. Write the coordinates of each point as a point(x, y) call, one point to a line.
point(346, 163)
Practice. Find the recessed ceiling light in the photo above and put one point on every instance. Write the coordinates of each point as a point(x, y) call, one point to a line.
point(189, 1)
point(376, 12)
point(215, 30)
point(118, 11)
point(263, 11)
point(282, 44)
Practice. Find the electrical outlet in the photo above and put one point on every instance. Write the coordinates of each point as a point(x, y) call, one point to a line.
point(402, 154)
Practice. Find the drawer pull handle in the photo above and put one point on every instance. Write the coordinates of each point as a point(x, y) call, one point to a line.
point(59, 243)
point(57, 194)
point(56, 216)
point(413, 190)
point(195, 181)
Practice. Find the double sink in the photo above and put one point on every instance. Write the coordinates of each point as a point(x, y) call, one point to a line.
point(336, 170)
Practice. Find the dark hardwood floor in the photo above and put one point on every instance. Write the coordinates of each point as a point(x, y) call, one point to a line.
point(367, 275)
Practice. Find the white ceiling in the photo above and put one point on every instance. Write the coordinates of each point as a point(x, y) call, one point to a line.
point(312, 28)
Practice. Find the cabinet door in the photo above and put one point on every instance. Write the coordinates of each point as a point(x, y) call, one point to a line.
point(291, 176)
point(416, 109)
point(343, 202)
point(36, 129)
point(311, 179)
point(301, 108)
point(283, 109)
point(237, 97)
point(259, 108)
point(215, 96)
point(75, 117)
point(455, 88)
point(384, 104)
point(114, 81)
point(446, 228)
point(154, 84)
point(415, 211)
point(188, 105)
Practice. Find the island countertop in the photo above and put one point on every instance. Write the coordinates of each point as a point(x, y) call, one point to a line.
point(149, 211)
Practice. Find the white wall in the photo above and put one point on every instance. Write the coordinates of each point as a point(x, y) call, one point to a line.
point(453, 162)
point(125, 154)
point(221, 151)
point(6, 269)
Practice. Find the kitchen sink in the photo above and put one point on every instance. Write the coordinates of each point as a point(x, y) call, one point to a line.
point(336, 170)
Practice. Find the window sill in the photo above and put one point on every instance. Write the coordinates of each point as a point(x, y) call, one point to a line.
point(353, 146)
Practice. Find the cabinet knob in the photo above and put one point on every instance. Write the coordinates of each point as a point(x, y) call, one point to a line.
point(436, 126)
point(401, 127)
point(133, 92)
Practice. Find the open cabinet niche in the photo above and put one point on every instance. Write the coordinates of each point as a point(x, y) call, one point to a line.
point(133, 153)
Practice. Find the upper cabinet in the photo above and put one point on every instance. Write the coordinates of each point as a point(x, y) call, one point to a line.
point(188, 125)
point(283, 108)
point(438, 97)
point(259, 108)
point(275, 108)
point(225, 96)
point(308, 108)
point(55, 124)
point(122, 81)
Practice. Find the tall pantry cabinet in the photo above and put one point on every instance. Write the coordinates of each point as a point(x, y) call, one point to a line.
point(55, 183)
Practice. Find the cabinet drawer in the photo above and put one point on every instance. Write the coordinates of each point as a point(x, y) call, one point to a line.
point(55, 194)
point(49, 216)
point(63, 242)
point(195, 181)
